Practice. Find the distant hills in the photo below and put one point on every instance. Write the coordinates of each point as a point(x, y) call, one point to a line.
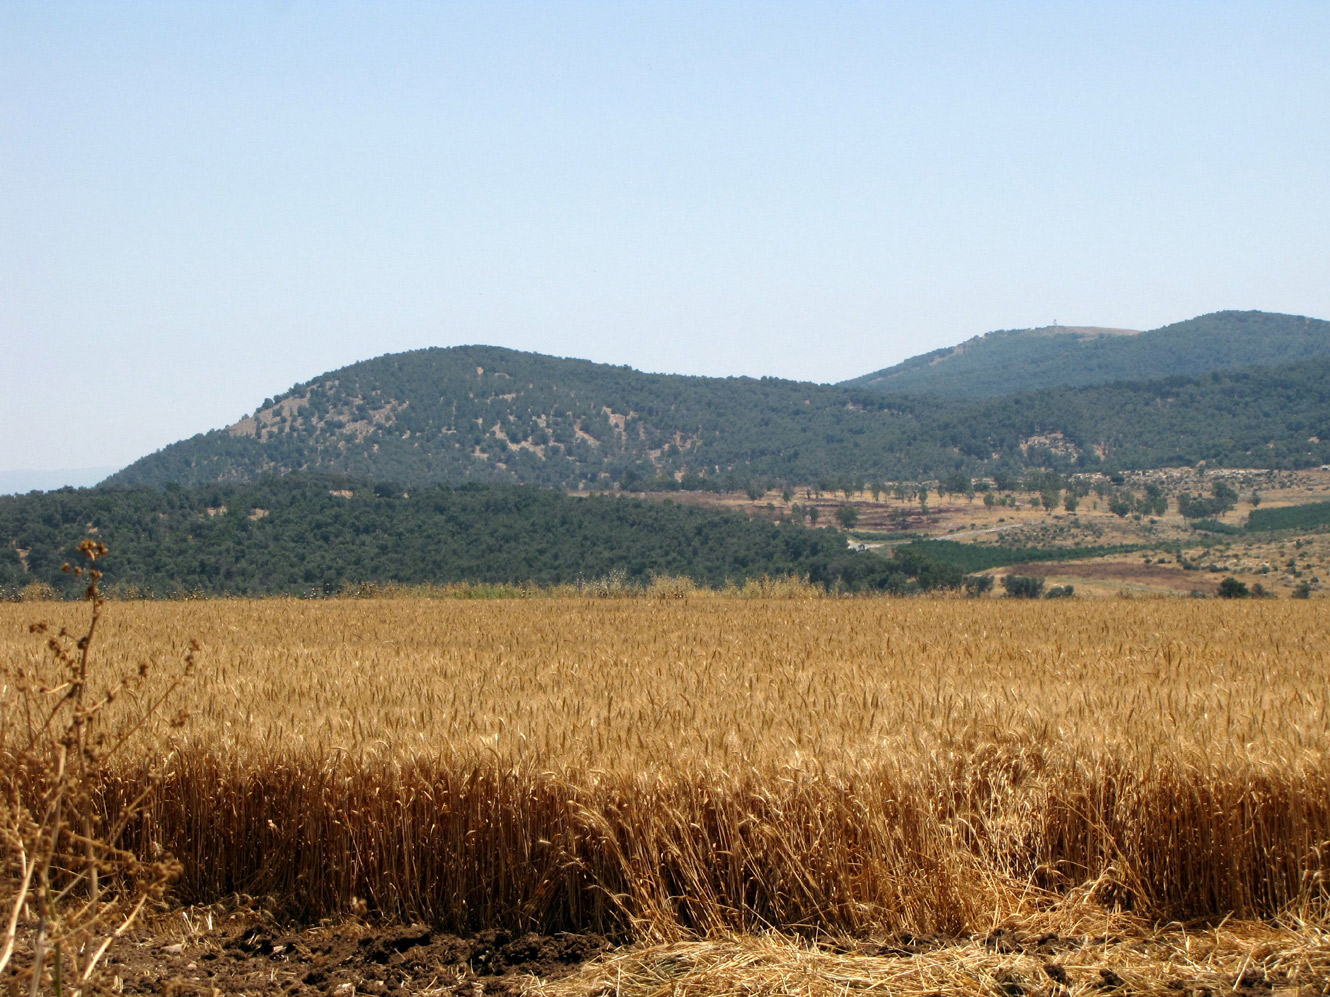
point(1219, 388)
point(1012, 360)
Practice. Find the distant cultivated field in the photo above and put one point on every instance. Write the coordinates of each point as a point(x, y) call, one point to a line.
point(667, 767)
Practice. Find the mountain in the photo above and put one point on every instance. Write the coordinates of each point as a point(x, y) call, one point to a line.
point(1012, 360)
point(485, 414)
point(479, 413)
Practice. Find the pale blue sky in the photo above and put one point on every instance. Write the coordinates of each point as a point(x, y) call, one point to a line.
point(203, 203)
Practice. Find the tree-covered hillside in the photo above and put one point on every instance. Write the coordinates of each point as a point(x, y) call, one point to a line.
point(477, 413)
point(490, 415)
point(1260, 417)
point(1012, 360)
point(304, 534)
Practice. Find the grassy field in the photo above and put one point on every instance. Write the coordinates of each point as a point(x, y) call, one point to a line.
point(668, 768)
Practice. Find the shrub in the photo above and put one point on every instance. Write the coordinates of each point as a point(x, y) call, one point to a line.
point(671, 587)
point(38, 592)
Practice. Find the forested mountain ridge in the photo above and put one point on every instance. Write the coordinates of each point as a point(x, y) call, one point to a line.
point(494, 415)
point(1012, 360)
point(480, 413)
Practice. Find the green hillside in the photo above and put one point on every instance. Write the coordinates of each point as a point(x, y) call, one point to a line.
point(1005, 362)
point(484, 414)
point(477, 413)
point(312, 534)
point(1258, 417)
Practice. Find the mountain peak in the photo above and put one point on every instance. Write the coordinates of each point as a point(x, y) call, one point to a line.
point(1011, 360)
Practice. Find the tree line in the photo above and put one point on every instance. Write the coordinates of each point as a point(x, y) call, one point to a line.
point(318, 534)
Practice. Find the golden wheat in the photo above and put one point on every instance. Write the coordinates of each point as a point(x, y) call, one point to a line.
point(674, 765)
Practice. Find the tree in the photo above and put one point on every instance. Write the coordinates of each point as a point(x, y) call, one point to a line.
point(847, 516)
point(813, 514)
point(1231, 588)
point(1155, 502)
point(977, 585)
point(1224, 495)
point(1023, 586)
point(1070, 501)
point(1197, 507)
point(957, 484)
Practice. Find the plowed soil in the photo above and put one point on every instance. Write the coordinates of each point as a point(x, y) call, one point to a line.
point(343, 960)
point(1145, 575)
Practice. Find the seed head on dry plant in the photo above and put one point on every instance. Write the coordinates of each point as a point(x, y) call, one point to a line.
point(76, 887)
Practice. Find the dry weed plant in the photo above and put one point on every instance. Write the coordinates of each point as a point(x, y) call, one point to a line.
point(75, 886)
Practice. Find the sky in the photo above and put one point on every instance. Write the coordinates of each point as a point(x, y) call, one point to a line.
point(202, 204)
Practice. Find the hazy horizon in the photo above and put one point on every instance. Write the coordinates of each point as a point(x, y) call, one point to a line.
point(20, 481)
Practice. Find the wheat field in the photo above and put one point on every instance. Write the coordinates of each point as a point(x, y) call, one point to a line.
point(671, 769)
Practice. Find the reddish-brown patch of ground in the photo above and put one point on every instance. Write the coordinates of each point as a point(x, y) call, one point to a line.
point(1151, 575)
point(340, 959)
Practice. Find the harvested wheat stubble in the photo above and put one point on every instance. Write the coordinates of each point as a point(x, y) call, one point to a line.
point(1247, 959)
point(663, 768)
